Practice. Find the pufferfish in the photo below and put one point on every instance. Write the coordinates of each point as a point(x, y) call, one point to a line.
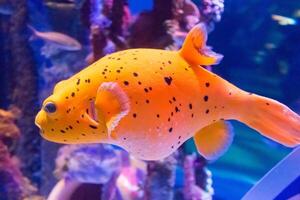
point(150, 101)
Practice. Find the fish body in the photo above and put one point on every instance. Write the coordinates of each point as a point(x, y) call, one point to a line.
point(60, 40)
point(150, 101)
point(284, 21)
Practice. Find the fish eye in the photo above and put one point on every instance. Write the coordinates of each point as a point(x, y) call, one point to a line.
point(50, 107)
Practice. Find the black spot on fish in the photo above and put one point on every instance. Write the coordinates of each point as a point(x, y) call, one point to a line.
point(169, 119)
point(140, 83)
point(150, 88)
point(205, 98)
point(168, 80)
point(118, 58)
point(78, 81)
point(67, 97)
point(77, 121)
point(177, 109)
point(207, 84)
point(147, 101)
point(135, 74)
point(190, 106)
point(134, 115)
point(169, 62)
point(62, 131)
point(157, 115)
point(72, 94)
point(179, 137)
point(267, 104)
point(126, 83)
point(146, 90)
point(52, 129)
point(83, 134)
point(134, 58)
point(93, 127)
point(118, 71)
point(229, 93)
point(124, 138)
point(71, 127)
point(192, 115)
point(207, 111)
point(170, 130)
point(174, 99)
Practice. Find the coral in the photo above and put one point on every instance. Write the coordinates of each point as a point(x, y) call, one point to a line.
point(211, 12)
point(191, 189)
point(13, 185)
point(24, 90)
point(87, 163)
point(160, 179)
point(8, 129)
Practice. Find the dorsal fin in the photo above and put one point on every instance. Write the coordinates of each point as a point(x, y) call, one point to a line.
point(194, 49)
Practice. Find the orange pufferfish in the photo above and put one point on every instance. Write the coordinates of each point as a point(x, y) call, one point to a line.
point(150, 101)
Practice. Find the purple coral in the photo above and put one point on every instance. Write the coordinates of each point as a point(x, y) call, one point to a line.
point(87, 163)
point(211, 12)
point(191, 189)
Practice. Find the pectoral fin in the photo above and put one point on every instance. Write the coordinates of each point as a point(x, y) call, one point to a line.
point(214, 140)
point(112, 104)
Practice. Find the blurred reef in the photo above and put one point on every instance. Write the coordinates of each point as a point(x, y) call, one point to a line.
point(45, 41)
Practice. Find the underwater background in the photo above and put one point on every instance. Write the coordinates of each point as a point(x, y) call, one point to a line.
point(260, 43)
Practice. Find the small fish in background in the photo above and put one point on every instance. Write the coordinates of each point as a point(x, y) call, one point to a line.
point(5, 7)
point(78, 3)
point(68, 5)
point(284, 21)
point(60, 6)
point(55, 41)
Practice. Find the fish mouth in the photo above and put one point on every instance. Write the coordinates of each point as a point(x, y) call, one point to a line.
point(92, 114)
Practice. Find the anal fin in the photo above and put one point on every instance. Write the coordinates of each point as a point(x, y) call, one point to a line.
point(214, 140)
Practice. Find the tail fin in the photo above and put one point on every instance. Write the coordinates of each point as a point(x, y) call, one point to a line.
point(34, 33)
point(272, 119)
point(194, 49)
